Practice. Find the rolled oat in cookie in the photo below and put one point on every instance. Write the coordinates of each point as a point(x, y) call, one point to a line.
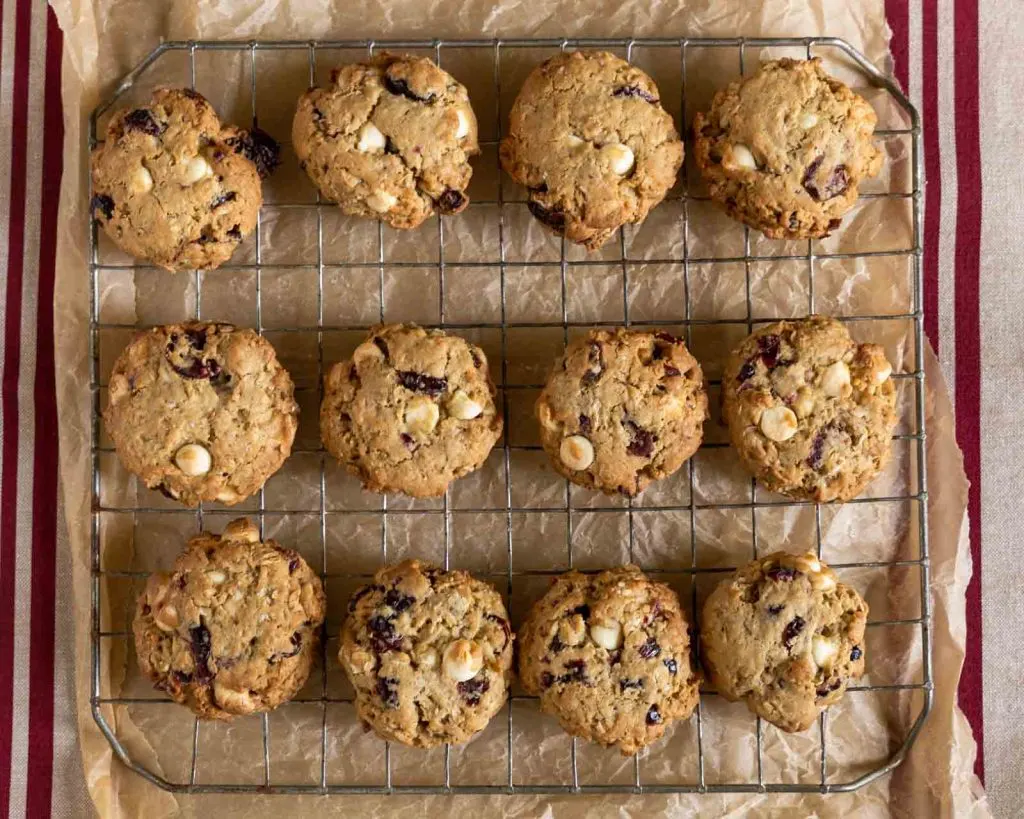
point(201, 411)
point(429, 653)
point(389, 139)
point(621, 409)
point(609, 656)
point(234, 628)
point(592, 145)
point(174, 186)
point(785, 636)
point(810, 412)
point(785, 150)
point(411, 410)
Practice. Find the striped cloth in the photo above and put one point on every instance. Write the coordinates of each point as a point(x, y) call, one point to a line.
point(937, 46)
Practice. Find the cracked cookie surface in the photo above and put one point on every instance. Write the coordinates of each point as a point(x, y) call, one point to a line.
point(785, 150)
point(428, 652)
point(174, 186)
point(810, 412)
point(785, 636)
point(234, 629)
point(201, 411)
point(389, 139)
point(411, 410)
point(609, 656)
point(622, 409)
point(590, 141)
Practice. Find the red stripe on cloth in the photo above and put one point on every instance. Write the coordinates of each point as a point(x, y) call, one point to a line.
point(897, 12)
point(932, 166)
point(968, 336)
point(38, 798)
point(12, 364)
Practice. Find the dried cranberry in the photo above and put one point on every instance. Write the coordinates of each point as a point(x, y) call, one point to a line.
point(451, 201)
point(596, 362)
point(856, 654)
point(808, 178)
point(547, 679)
point(552, 217)
point(634, 91)
point(382, 345)
point(630, 683)
point(293, 565)
point(418, 382)
point(814, 457)
point(649, 649)
point(774, 610)
point(505, 627)
point(400, 88)
point(387, 690)
point(746, 371)
point(641, 441)
point(200, 643)
point(671, 665)
point(235, 232)
point(223, 199)
point(182, 677)
point(585, 426)
point(296, 641)
point(141, 119)
point(671, 371)
point(359, 594)
point(575, 672)
point(398, 601)
point(258, 147)
point(472, 690)
point(791, 631)
point(782, 573)
point(653, 715)
point(408, 440)
point(384, 638)
point(837, 182)
point(556, 646)
point(104, 204)
point(825, 690)
point(769, 349)
point(615, 657)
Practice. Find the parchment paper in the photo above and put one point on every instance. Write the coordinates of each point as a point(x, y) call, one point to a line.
point(104, 39)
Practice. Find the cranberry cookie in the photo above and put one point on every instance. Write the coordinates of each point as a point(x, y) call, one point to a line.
point(428, 652)
point(234, 629)
point(785, 636)
point(785, 150)
point(810, 412)
point(411, 411)
point(590, 141)
point(389, 139)
point(174, 186)
point(622, 409)
point(609, 656)
point(201, 411)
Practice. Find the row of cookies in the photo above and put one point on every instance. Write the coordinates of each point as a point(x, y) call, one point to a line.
point(784, 151)
point(234, 629)
point(205, 412)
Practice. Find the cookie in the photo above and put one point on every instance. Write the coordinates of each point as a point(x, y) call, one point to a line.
point(175, 187)
point(621, 409)
point(785, 150)
point(609, 656)
point(389, 139)
point(411, 411)
point(592, 145)
point(785, 636)
point(428, 652)
point(810, 412)
point(201, 411)
point(234, 629)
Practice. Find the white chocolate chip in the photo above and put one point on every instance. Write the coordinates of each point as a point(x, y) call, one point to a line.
point(428, 659)
point(823, 651)
point(811, 563)
point(362, 661)
point(227, 495)
point(421, 415)
point(742, 156)
point(462, 660)
point(232, 699)
point(166, 618)
point(823, 581)
point(371, 139)
point(835, 379)
point(778, 423)
point(619, 156)
point(882, 375)
point(607, 635)
point(216, 576)
point(463, 407)
point(462, 130)
point(808, 120)
point(804, 403)
point(193, 460)
point(575, 142)
point(241, 529)
point(576, 452)
point(196, 169)
point(381, 201)
point(142, 180)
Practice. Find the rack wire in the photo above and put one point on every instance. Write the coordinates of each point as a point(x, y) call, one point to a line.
point(104, 702)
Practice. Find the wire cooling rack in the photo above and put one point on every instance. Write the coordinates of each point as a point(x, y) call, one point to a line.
point(807, 261)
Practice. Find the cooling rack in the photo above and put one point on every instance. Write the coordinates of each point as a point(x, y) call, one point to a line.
point(806, 261)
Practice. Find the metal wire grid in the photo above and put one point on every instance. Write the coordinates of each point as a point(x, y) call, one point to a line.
point(101, 705)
